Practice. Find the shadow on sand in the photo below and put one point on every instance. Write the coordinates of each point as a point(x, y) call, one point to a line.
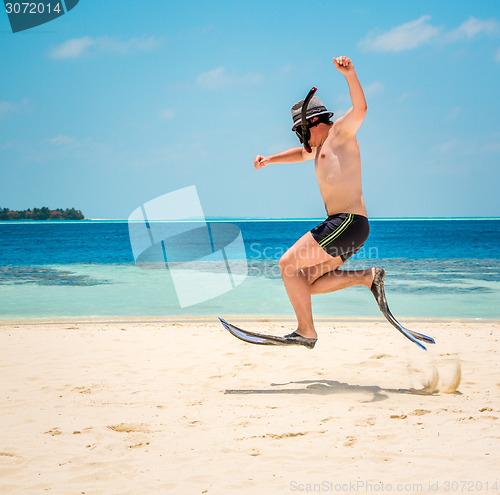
point(326, 387)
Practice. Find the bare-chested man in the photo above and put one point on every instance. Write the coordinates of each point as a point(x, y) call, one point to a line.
point(311, 265)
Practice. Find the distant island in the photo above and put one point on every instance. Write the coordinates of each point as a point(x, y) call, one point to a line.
point(43, 213)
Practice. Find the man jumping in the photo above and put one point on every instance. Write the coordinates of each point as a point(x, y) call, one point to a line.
point(311, 265)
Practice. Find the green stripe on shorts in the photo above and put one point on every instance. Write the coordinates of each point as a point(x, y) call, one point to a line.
point(336, 233)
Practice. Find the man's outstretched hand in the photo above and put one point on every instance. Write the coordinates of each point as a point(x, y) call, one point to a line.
point(343, 64)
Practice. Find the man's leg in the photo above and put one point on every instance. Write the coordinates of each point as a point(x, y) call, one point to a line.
point(306, 252)
point(302, 266)
point(326, 278)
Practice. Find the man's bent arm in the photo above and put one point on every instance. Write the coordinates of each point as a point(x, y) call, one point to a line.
point(292, 155)
point(353, 118)
point(356, 93)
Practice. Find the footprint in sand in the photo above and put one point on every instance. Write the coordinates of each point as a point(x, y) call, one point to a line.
point(380, 356)
point(10, 461)
point(279, 437)
point(53, 432)
point(83, 430)
point(137, 445)
point(82, 390)
point(326, 419)
point(7, 454)
point(350, 441)
point(369, 422)
point(130, 428)
point(420, 412)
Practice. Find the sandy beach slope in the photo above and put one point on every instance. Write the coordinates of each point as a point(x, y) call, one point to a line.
point(185, 408)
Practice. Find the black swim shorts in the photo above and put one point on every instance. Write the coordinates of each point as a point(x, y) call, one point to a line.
point(342, 234)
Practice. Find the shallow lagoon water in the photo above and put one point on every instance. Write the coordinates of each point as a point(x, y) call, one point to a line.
point(435, 269)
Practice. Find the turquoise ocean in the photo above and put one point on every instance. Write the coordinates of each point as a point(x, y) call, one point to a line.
point(436, 268)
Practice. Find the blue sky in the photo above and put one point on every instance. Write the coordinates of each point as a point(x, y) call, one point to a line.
point(116, 103)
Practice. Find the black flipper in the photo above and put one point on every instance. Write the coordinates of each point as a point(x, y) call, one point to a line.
point(262, 339)
point(378, 291)
point(298, 339)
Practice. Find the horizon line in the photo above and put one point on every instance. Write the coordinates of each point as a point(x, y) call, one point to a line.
point(244, 219)
point(219, 218)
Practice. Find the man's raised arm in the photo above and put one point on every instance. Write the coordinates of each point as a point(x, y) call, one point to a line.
point(293, 155)
point(351, 121)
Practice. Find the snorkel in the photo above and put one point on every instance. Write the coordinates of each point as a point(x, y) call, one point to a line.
point(306, 133)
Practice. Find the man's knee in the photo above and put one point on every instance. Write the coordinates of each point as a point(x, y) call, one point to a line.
point(287, 264)
point(283, 263)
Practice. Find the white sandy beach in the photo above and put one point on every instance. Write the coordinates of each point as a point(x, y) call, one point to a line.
point(185, 408)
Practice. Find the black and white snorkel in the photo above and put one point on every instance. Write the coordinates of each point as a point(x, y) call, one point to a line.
point(306, 133)
point(310, 108)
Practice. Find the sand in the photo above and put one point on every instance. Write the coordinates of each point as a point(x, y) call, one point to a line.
point(183, 407)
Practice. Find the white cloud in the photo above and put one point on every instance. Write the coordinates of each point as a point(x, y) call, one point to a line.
point(213, 78)
point(471, 28)
point(373, 88)
point(472, 145)
point(73, 48)
point(421, 31)
point(8, 107)
point(219, 78)
point(135, 44)
point(60, 140)
point(405, 37)
point(78, 47)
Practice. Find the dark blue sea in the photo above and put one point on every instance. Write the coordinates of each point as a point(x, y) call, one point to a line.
point(446, 268)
